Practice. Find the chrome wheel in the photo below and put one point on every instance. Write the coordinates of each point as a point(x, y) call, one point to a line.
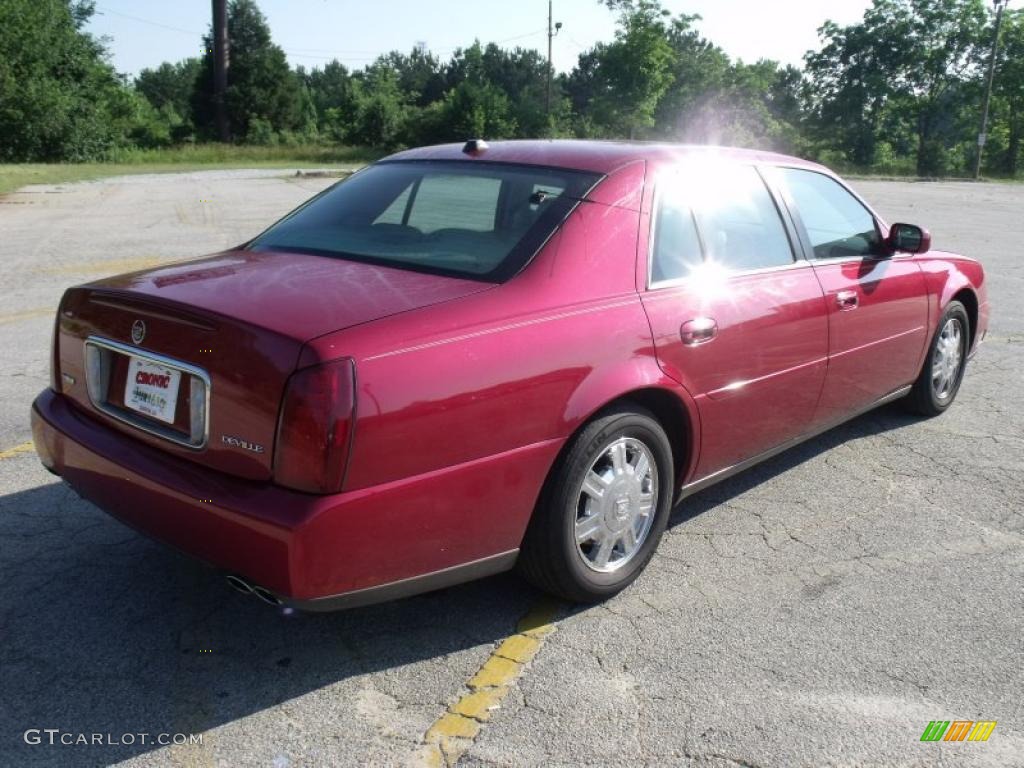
point(947, 359)
point(616, 505)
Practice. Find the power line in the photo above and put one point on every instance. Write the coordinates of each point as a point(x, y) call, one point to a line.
point(519, 37)
point(333, 56)
point(103, 11)
point(326, 50)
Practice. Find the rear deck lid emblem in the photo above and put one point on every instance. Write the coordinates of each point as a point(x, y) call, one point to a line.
point(138, 332)
point(237, 442)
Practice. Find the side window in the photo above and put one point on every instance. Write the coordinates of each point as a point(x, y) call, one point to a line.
point(676, 247)
point(549, 190)
point(455, 202)
point(836, 222)
point(741, 226)
point(395, 212)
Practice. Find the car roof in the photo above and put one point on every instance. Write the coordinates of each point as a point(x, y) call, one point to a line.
point(597, 156)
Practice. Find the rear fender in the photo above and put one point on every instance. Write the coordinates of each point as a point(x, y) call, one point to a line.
point(946, 275)
point(638, 378)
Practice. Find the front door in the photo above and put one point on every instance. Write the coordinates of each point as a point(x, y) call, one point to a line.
point(877, 302)
point(736, 318)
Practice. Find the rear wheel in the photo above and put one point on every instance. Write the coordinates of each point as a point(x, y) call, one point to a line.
point(603, 509)
point(937, 385)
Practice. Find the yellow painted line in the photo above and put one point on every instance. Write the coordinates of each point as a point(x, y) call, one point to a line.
point(27, 314)
point(17, 450)
point(453, 733)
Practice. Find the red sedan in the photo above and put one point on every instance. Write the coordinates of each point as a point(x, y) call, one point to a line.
point(464, 358)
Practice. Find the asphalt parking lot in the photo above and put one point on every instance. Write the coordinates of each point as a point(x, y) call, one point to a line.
point(820, 609)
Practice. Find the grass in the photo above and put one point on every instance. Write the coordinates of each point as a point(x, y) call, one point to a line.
point(226, 156)
point(187, 158)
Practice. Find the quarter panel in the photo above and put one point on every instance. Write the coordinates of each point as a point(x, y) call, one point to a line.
point(495, 371)
point(491, 388)
point(947, 274)
point(420, 524)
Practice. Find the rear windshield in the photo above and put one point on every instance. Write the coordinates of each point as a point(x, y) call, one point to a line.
point(467, 219)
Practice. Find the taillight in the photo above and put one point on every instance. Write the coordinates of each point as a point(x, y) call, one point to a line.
point(316, 423)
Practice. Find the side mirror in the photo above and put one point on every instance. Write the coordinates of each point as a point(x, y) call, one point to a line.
point(909, 238)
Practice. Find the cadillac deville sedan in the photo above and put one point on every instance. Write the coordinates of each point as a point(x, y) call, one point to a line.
point(468, 357)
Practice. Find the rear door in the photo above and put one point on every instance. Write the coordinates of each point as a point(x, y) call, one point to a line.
point(877, 302)
point(737, 318)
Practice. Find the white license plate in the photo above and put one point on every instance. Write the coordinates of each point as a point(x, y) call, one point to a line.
point(152, 389)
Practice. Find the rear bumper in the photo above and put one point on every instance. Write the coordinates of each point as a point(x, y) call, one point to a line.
point(314, 552)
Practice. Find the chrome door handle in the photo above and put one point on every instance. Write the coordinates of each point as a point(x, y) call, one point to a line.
point(698, 331)
point(847, 300)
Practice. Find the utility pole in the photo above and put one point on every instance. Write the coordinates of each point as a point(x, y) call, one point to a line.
point(982, 137)
point(552, 31)
point(220, 68)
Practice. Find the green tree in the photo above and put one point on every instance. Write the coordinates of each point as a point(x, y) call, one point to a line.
point(59, 98)
point(755, 108)
point(420, 75)
point(662, 78)
point(912, 58)
point(1009, 90)
point(381, 109)
point(332, 97)
point(848, 87)
point(505, 89)
point(474, 106)
point(581, 83)
point(330, 87)
point(634, 71)
point(699, 70)
point(521, 75)
point(481, 109)
point(168, 90)
point(170, 85)
point(260, 83)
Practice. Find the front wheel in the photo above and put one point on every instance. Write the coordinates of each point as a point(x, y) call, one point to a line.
point(939, 381)
point(603, 509)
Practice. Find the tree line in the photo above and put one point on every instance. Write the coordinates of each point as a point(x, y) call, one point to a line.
point(898, 92)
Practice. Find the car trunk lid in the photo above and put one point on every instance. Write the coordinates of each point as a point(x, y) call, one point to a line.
point(227, 330)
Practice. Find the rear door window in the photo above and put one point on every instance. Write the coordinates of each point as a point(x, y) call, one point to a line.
point(715, 213)
point(676, 249)
point(741, 226)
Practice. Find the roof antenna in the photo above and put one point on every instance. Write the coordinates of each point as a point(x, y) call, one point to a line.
point(475, 147)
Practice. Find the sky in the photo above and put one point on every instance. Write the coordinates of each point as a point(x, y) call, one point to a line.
point(144, 33)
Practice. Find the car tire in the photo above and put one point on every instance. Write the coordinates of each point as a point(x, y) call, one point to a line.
point(603, 508)
point(943, 370)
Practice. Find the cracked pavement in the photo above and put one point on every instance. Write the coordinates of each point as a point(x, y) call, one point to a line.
point(819, 609)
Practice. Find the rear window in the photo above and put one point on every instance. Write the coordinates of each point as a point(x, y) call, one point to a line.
point(467, 219)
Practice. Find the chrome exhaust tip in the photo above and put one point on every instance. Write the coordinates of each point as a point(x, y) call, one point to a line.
point(239, 584)
point(266, 596)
